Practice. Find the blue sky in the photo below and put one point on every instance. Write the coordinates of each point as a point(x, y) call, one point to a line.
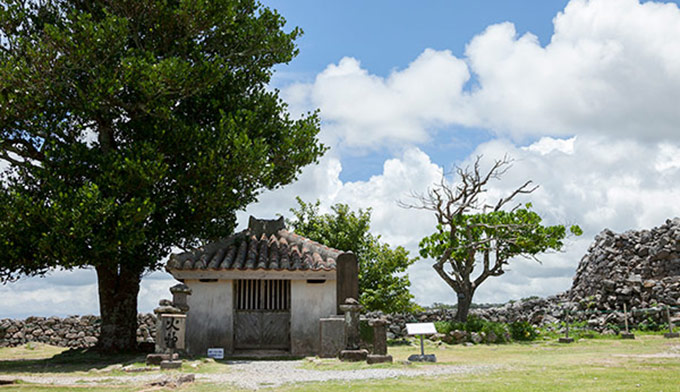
point(385, 36)
point(582, 94)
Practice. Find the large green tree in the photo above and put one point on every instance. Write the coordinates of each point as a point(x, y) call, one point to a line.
point(474, 240)
point(383, 284)
point(132, 126)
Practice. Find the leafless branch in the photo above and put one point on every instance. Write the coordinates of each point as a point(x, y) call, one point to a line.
point(450, 202)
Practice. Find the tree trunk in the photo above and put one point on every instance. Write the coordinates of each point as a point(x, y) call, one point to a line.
point(464, 301)
point(118, 290)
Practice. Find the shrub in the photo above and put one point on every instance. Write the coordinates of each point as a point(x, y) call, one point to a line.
point(444, 326)
point(475, 324)
point(522, 331)
point(649, 324)
point(500, 330)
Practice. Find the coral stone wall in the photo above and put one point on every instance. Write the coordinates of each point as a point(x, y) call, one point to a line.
point(73, 331)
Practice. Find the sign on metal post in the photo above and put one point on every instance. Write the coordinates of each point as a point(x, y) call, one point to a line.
point(421, 329)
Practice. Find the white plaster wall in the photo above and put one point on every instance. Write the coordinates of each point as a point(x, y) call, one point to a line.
point(309, 303)
point(210, 318)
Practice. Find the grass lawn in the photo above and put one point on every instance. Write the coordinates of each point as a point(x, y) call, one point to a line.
point(649, 363)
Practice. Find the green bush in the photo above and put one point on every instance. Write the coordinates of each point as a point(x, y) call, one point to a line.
point(475, 324)
point(444, 326)
point(649, 324)
point(522, 331)
point(498, 329)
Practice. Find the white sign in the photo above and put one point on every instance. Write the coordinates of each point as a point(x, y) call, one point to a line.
point(421, 329)
point(216, 353)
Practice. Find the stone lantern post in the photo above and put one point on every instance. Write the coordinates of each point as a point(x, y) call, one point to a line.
point(170, 328)
point(352, 351)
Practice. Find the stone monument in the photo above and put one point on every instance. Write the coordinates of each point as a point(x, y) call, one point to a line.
point(352, 351)
point(347, 281)
point(171, 329)
point(379, 342)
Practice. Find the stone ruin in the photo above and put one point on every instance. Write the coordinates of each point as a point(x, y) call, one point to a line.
point(639, 268)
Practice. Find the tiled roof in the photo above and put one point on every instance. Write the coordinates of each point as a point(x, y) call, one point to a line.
point(251, 250)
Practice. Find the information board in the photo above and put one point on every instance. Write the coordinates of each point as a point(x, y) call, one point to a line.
point(421, 329)
point(216, 353)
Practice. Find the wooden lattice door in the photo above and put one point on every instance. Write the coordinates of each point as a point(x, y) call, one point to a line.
point(262, 315)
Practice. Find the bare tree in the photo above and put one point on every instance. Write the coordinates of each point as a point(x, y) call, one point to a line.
point(471, 232)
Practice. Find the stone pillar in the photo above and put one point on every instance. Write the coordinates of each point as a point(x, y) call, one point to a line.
point(174, 330)
point(166, 324)
point(352, 351)
point(170, 328)
point(170, 333)
point(379, 342)
point(347, 279)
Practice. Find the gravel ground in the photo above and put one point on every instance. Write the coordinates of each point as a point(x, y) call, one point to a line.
point(261, 374)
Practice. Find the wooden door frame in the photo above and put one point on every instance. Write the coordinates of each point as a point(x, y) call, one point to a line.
point(262, 315)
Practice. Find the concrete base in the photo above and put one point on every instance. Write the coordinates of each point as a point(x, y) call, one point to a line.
point(156, 359)
point(373, 358)
point(166, 365)
point(353, 355)
point(566, 340)
point(627, 335)
point(671, 335)
point(422, 358)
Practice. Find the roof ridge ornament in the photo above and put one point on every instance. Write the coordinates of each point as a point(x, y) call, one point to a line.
point(268, 227)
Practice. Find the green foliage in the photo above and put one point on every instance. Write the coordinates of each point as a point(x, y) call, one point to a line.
point(444, 326)
point(475, 239)
point(650, 324)
point(522, 331)
point(135, 126)
point(383, 284)
point(520, 231)
point(614, 327)
point(476, 324)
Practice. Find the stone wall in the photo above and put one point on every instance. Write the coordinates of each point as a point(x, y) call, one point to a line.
point(73, 331)
point(537, 311)
point(638, 268)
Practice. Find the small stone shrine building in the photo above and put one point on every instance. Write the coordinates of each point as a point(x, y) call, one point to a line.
point(263, 289)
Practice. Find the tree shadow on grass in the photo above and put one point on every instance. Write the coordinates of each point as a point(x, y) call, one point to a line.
point(73, 360)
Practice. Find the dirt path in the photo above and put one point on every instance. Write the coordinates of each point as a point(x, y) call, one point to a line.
point(260, 374)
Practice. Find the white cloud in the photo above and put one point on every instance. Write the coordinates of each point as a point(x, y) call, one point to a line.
point(64, 293)
point(413, 170)
point(612, 68)
point(360, 109)
point(61, 293)
point(546, 145)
